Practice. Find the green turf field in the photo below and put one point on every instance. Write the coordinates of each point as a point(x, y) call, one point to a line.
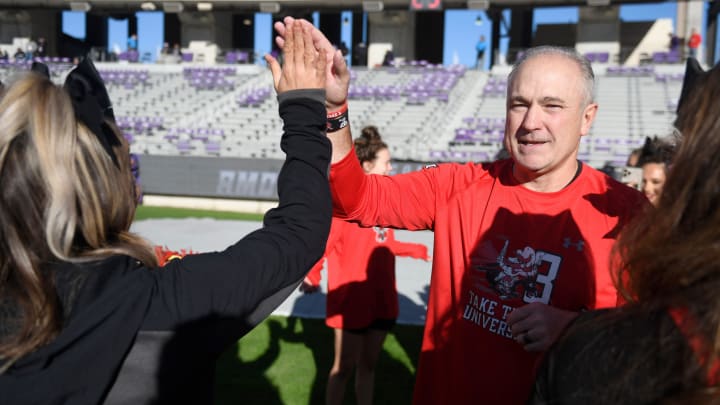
point(147, 212)
point(286, 361)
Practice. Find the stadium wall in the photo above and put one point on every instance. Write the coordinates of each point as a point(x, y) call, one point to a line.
point(217, 177)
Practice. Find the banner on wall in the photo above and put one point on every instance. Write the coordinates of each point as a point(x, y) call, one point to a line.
point(216, 177)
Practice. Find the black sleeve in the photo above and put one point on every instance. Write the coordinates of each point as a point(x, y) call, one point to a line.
point(243, 284)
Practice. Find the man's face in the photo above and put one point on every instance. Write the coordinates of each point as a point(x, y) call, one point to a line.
point(546, 117)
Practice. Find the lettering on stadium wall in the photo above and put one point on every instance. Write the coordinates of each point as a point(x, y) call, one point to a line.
point(235, 178)
point(263, 184)
point(247, 183)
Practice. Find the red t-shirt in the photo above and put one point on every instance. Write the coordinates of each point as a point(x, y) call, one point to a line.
point(361, 274)
point(498, 246)
point(694, 41)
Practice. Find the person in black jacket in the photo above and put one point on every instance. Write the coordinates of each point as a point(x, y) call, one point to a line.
point(86, 316)
point(663, 346)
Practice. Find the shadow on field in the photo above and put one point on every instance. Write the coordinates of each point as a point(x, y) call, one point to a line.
point(291, 344)
point(239, 381)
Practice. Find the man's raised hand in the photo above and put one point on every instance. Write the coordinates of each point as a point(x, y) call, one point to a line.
point(304, 67)
point(337, 79)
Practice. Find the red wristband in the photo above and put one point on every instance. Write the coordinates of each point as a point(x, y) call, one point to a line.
point(337, 120)
point(334, 114)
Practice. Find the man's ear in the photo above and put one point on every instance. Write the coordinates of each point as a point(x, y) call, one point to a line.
point(588, 118)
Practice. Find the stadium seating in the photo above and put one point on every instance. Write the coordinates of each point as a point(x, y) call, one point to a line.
point(425, 112)
point(598, 57)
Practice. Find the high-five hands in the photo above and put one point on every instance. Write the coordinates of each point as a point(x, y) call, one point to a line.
point(304, 67)
point(337, 75)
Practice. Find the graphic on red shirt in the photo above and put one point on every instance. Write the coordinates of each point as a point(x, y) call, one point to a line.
point(525, 276)
point(515, 275)
point(381, 234)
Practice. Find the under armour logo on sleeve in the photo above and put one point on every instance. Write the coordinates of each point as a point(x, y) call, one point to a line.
point(579, 245)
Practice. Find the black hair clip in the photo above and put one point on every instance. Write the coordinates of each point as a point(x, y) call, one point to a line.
point(40, 68)
point(90, 101)
point(694, 73)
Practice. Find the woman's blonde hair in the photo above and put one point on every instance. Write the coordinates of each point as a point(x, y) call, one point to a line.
point(62, 198)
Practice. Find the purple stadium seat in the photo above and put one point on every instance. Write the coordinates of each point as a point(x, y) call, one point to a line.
point(482, 127)
point(393, 93)
point(460, 155)
point(201, 136)
point(243, 56)
point(659, 57)
point(673, 57)
point(602, 145)
point(183, 146)
point(480, 157)
point(462, 134)
point(212, 147)
point(231, 57)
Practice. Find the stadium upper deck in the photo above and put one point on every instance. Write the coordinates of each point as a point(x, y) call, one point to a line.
point(426, 112)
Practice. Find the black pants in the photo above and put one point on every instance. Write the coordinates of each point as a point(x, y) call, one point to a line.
point(480, 55)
